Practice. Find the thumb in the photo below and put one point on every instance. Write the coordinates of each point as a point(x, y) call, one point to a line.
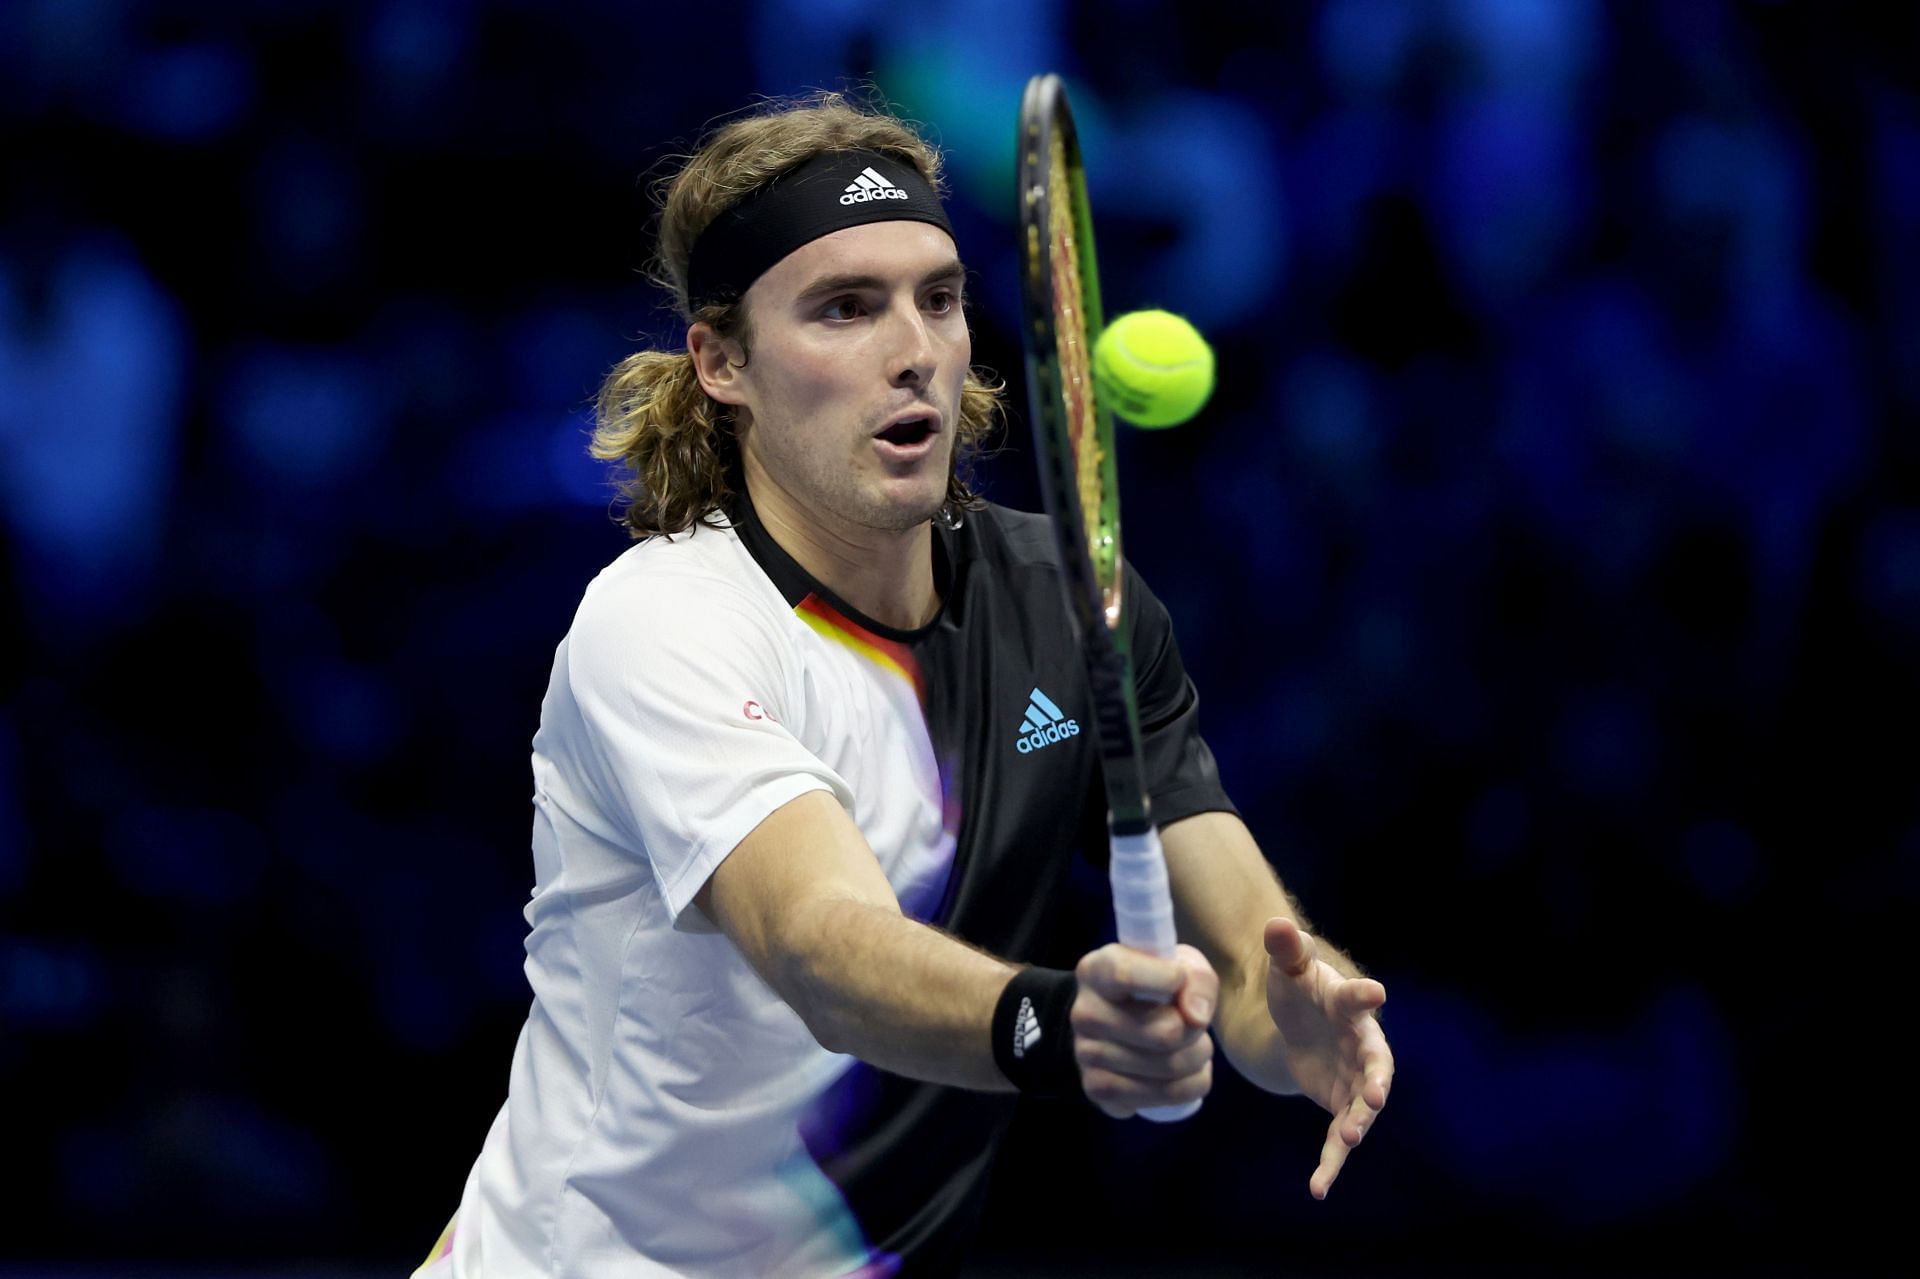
point(1199, 992)
point(1290, 946)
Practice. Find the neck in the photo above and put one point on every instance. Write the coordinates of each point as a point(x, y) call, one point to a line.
point(885, 574)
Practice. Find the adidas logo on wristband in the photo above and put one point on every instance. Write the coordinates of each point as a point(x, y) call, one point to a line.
point(1026, 1028)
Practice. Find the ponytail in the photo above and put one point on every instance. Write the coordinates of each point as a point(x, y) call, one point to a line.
point(677, 442)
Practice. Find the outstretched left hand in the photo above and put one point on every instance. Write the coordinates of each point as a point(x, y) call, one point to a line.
point(1330, 1041)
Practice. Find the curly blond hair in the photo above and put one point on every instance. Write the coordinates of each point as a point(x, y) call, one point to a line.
point(680, 446)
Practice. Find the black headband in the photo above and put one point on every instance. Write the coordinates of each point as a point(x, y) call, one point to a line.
point(828, 193)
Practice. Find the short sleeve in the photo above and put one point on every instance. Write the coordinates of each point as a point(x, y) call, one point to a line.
point(1182, 778)
point(685, 700)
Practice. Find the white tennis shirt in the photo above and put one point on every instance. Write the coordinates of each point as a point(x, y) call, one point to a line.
point(668, 1114)
point(652, 1123)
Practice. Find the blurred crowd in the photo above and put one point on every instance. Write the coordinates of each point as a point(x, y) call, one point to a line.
point(1548, 564)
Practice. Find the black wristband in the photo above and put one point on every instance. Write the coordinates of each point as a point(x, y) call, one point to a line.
point(1033, 1033)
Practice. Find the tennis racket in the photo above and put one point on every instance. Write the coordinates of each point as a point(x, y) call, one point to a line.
point(1073, 437)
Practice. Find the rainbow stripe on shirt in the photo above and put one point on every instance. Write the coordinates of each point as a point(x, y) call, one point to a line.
point(889, 655)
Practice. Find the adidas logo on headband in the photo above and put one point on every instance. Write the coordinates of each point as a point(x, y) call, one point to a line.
point(799, 207)
point(869, 185)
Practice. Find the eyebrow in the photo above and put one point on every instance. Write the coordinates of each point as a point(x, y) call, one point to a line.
point(855, 281)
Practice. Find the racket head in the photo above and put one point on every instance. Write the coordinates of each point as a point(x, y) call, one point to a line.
point(1060, 291)
point(1072, 432)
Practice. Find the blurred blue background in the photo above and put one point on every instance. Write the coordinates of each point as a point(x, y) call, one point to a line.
point(1548, 562)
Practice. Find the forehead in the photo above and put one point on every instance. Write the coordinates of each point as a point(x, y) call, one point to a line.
point(895, 252)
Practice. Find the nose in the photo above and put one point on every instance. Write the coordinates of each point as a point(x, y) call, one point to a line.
point(912, 355)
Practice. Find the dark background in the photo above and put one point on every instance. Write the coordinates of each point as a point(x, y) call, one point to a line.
point(1548, 562)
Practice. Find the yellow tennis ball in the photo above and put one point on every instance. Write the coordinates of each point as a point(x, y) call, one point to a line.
point(1153, 368)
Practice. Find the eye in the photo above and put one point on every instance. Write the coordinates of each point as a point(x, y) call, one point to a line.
point(843, 308)
point(942, 301)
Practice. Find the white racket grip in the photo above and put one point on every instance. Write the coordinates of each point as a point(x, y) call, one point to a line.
point(1143, 915)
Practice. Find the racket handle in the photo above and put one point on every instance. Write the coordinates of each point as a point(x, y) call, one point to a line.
point(1143, 913)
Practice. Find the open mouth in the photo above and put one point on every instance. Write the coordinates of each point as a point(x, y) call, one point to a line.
point(909, 432)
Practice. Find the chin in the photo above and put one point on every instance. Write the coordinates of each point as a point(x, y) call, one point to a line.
point(920, 513)
point(897, 512)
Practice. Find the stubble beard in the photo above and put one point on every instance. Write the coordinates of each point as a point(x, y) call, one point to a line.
point(860, 505)
point(841, 493)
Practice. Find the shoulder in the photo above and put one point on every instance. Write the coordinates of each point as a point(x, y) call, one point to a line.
point(701, 587)
point(705, 563)
point(1007, 538)
point(1002, 535)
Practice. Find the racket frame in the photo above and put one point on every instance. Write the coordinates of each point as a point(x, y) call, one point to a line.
point(1094, 591)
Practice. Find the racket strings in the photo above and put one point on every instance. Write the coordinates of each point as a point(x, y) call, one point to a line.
point(1076, 375)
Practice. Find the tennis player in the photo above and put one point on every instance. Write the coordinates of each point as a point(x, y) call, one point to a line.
point(811, 768)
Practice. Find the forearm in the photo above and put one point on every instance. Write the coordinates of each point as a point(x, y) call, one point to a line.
point(894, 992)
point(1225, 891)
point(805, 901)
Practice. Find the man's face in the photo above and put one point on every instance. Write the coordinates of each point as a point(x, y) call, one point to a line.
point(852, 386)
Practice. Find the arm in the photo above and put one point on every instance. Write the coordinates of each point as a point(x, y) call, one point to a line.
point(1295, 1014)
point(807, 904)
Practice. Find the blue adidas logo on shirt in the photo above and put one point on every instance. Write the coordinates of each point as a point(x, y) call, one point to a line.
point(1044, 725)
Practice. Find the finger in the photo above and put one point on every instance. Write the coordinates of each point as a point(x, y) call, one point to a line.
point(1333, 1157)
point(1152, 1028)
point(1141, 1064)
point(1120, 972)
point(1376, 1057)
point(1377, 1067)
point(1123, 1095)
point(1358, 996)
point(1358, 1117)
point(1290, 946)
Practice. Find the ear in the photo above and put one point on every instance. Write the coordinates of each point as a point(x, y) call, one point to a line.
point(719, 363)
